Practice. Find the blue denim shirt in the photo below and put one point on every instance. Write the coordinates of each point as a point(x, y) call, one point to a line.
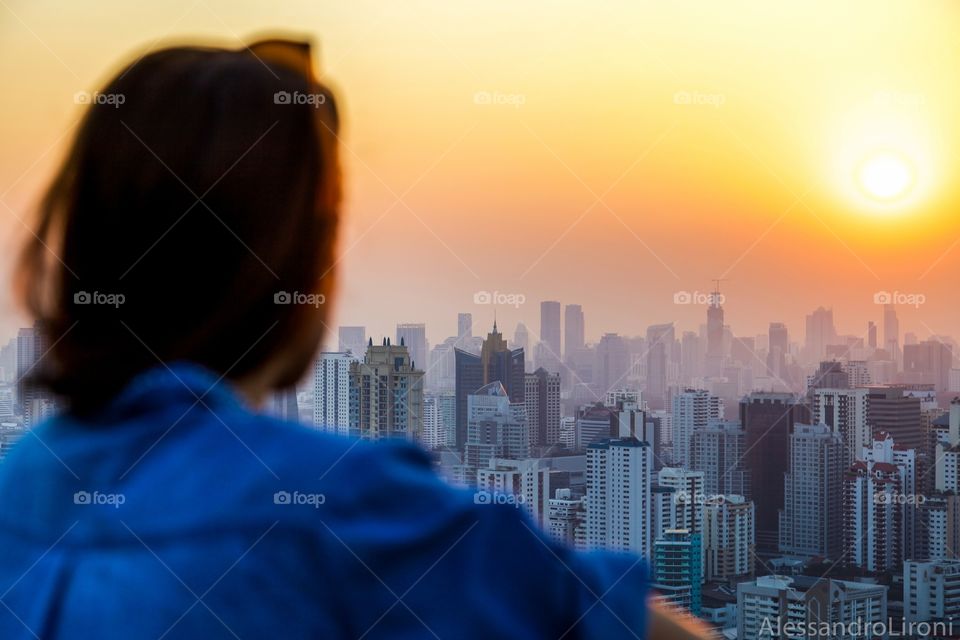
point(178, 513)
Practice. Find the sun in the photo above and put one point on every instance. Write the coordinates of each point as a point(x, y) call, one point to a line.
point(885, 175)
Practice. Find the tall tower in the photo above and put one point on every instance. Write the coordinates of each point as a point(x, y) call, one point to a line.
point(715, 334)
point(573, 336)
point(550, 330)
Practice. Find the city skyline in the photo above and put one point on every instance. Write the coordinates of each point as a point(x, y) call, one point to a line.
point(703, 164)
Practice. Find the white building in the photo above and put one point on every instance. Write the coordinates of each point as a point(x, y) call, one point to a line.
point(931, 591)
point(689, 496)
point(331, 392)
point(566, 518)
point(879, 497)
point(692, 409)
point(728, 537)
point(619, 513)
point(772, 607)
point(845, 412)
point(528, 480)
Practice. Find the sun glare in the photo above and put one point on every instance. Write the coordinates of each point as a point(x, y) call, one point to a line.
point(886, 176)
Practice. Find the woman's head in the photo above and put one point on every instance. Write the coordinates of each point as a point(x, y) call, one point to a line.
point(194, 218)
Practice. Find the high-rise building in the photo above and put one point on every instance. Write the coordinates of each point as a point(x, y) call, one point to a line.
point(928, 362)
point(35, 403)
point(550, 334)
point(612, 363)
point(811, 521)
point(728, 532)
point(566, 518)
point(677, 574)
point(872, 334)
point(464, 326)
point(715, 350)
point(717, 450)
point(573, 336)
point(894, 411)
point(693, 409)
point(542, 398)
point(931, 591)
point(688, 495)
point(527, 479)
point(619, 513)
point(414, 336)
point(331, 392)
point(821, 332)
point(858, 373)
point(878, 506)
point(353, 340)
point(595, 423)
point(779, 347)
point(386, 394)
point(845, 412)
point(496, 428)
point(660, 342)
point(891, 331)
point(772, 607)
point(768, 419)
point(496, 362)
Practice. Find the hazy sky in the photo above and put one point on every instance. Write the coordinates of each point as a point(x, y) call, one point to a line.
point(609, 154)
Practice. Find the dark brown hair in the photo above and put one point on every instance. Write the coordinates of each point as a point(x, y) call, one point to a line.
point(203, 185)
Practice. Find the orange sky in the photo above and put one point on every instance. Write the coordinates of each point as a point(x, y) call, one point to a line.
point(629, 150)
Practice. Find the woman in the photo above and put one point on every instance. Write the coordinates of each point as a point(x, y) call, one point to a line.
point(195, 213)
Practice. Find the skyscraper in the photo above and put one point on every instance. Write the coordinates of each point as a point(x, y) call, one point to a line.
point(811, 523)
point(573, 336)
point(894, 411)
point(845, 412)
point(692, 409)
point(878, 516)
point(768, 420)
point(660, 339)
point(619, 513)
point(928, 362)
point(331, 392)
point(414, 336)
point(496, 428)
point(386, 394)
point(779, 347)
point(612, 363)
point(542, 399)
point(891, 331)
point(717, 450)
point(728, 532)
point(677, 570)
point(496, 362)
point(550, 353)
point(715, 336)
point(820, 332)
point(464, 326)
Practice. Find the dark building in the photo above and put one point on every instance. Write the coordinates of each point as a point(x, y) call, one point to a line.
point(892, 410)
point(495, 362)
point(768, 419)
